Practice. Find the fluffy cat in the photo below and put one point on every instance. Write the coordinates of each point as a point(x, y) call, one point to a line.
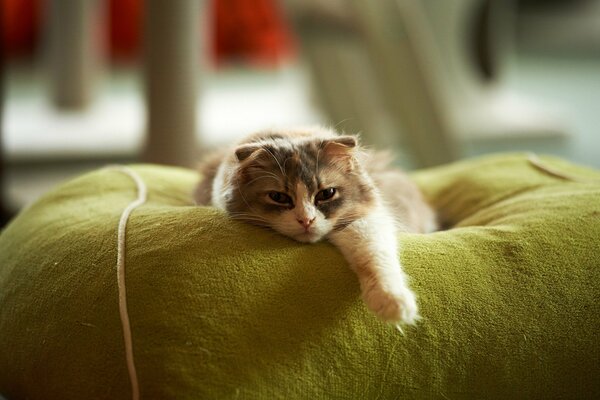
point(312, 184)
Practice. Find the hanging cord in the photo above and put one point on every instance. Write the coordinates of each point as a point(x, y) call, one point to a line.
point(539, 164)
point(141, 199)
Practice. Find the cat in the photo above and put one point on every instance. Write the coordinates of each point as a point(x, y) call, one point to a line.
point(312, 184)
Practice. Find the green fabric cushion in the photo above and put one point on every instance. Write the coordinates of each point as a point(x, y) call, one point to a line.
point(219, 309)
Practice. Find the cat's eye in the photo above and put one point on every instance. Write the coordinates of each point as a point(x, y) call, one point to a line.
point(325, 194)
point(280, 198)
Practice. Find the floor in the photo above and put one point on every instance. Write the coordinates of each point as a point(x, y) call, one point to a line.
point(570, 85)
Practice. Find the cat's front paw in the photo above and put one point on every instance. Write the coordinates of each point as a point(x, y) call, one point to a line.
point(396, 305)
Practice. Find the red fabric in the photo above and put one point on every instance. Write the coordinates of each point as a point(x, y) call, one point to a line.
point(249, 31)
point(20, 26)
point(124, 28)
point(22, 22)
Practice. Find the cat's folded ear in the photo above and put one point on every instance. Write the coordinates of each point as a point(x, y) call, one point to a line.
point(244, 151)
point(340, 146)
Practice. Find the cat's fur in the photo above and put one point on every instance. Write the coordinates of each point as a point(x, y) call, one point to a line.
point(371, 203)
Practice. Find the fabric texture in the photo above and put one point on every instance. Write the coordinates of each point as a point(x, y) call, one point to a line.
point(219, 309)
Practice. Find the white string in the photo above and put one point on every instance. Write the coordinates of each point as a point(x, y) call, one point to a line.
point(141, 199)
point(536, 162)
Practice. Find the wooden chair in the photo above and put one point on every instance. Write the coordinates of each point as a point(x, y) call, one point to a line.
point(412, 60)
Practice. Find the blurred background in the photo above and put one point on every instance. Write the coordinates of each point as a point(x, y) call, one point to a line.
point(90, 82)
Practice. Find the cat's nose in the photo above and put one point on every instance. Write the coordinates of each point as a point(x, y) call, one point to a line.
point(305, 222)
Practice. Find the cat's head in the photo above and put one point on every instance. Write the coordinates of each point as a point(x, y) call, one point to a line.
point(302, 185)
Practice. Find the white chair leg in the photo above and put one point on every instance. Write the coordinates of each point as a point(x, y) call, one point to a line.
point(399, 44)
point(172, 68)
point(72, 51)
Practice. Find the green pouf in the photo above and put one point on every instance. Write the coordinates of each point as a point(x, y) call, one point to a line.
point(510, 296)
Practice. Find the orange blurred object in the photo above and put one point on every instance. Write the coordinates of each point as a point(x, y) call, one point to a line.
point(124, 28)
point(246, 31)
point(20, 26)
point(250, 31)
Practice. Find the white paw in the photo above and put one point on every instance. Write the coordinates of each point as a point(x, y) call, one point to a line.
point(396, 305)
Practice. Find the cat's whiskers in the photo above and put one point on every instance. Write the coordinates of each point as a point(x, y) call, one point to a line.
point(249, 217)
point(257, 220)
point(342, 121)
point(244, 198)
point(285, 162)
point(340, 167)
point(267, 175)
point(348, 218)
point(317, 167)
point(244, 214)
point(276, 160)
